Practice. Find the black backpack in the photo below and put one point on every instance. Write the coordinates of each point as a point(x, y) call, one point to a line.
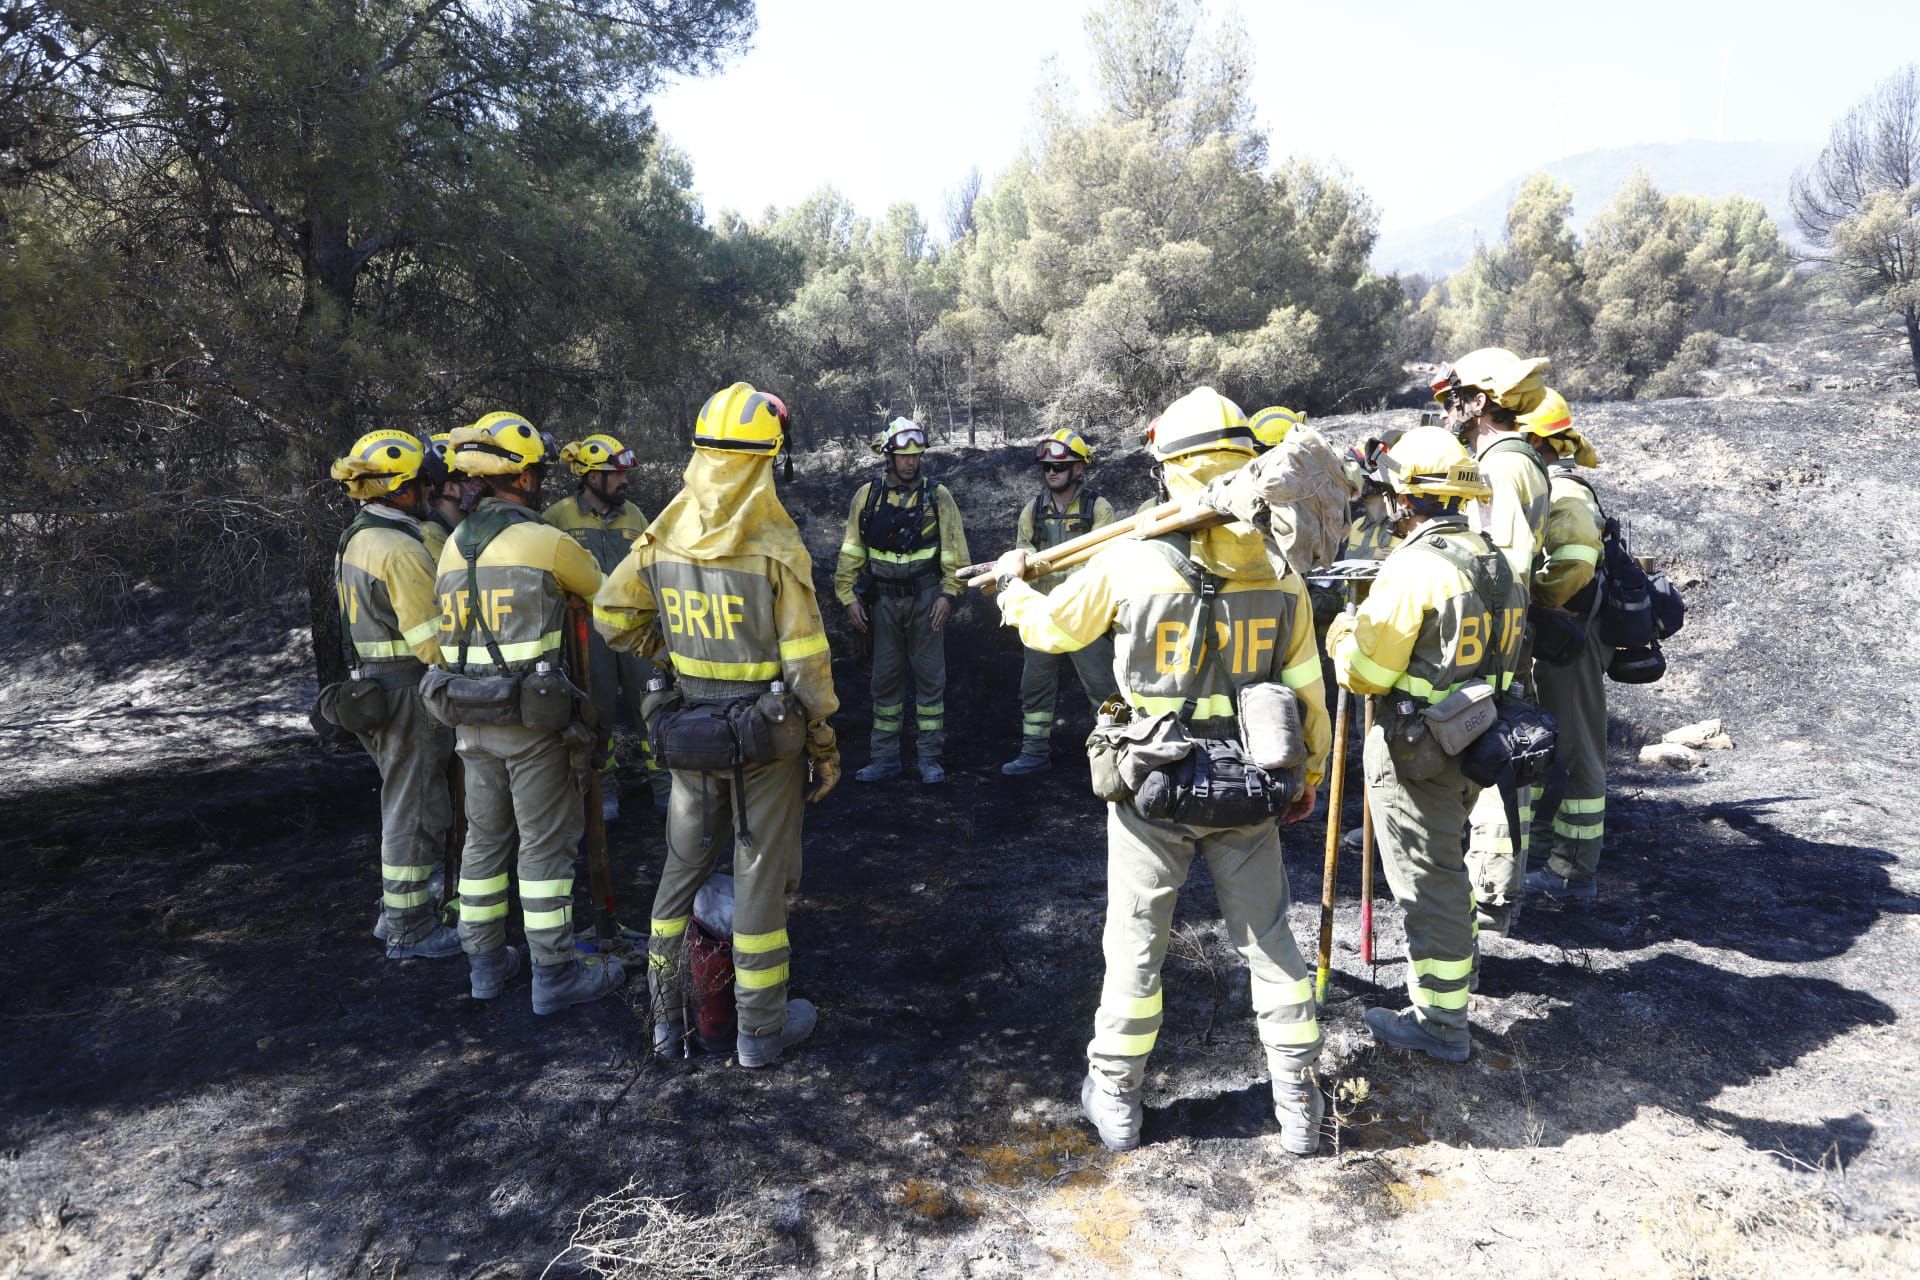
point(1631, 609)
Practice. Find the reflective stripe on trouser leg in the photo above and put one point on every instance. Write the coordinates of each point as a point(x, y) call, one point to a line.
point(764, 874)
point(1039, 687)
point(1250, 881)
point(1497, 867)
point(927, 655)
point(530, 792)
point(690, 859)
point(490, 835)
point(1147, 862)
point(1418, 825)
point(888, 621)
point(411, 752)
point(1576, 695)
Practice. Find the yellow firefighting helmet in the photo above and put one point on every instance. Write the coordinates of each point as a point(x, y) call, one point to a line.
point(499, 444)
point(597, 453)
point(379, 463)
point(1064, 445)
point(1431, 462)
point(1200, 421)
point(1509, 381)
point(903, 435)
point(741, 420)
point(1270, 425)
point(438, 442)
point(1553, 423)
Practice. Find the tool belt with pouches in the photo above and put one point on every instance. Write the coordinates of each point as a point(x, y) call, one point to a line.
point(544, 701)
point(1172, 776)
point(713, 736)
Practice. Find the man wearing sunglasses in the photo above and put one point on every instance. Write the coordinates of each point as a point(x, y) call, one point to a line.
point(1064, 509)
point(899, 575)
point(600, 518)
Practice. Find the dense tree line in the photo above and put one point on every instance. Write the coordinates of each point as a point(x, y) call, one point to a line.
point(238, 233)
point(1635, 306)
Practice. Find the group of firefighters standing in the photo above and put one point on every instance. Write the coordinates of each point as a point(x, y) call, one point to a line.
point(454, 594)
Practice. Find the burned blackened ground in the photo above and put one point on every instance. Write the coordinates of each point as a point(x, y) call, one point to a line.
point(207, 1068)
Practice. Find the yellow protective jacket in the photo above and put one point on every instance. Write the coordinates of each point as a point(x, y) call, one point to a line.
point(434, 534)
point(385, 586)
point(1517, 516)
point(1051, 526)
point(1368, 539)
point(950, 547)
point(1263, 630)
point(524, 575)
point(1573, 538)
point(609, 537)
point(1424, 628)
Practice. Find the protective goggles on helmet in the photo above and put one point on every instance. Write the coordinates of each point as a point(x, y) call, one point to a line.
point(1055, 451)
point(905, 438)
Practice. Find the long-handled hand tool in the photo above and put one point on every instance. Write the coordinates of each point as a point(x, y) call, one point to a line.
point(1366, 849)
point(1336, 791)
point(456, 837)
point(1168, 517)
point(599, 873)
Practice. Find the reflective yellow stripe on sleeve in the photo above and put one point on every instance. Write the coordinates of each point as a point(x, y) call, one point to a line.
point(853, 549)
point(804, 647)
point(425, 631)
point(1575, 551)
point(1371, 671)
point(377, 650)
point(1302, 674)
point(612, 617)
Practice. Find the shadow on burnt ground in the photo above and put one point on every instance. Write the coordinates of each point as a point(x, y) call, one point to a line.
point(1724, 875)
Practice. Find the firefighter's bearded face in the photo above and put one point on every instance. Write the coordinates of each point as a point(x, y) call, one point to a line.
point(906, 467)
point(608, 486)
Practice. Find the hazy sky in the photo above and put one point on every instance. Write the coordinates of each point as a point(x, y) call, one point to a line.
point(895, 99)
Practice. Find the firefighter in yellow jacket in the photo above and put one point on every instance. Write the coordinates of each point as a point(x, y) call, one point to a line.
point(722, 585)
point(600, 518)
point(445, 506)
point(1064, 509)
point(1444, 610)
point(1261, 631)
point(1483, 395)
point(390, 624)
point(899, 577)
point(504, 577)
point(1575, 694)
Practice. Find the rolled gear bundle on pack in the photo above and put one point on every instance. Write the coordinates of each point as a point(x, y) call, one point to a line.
point(1296, 494)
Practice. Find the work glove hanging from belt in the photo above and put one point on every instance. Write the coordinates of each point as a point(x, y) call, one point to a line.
point(823, 759)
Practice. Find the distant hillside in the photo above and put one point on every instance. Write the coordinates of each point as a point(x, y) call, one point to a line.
point(1759, 170)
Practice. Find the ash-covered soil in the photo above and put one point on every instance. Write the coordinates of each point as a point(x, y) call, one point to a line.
point(207, 1068)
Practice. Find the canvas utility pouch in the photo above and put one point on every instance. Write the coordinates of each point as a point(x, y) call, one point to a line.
point(1215, 785)
point(1522, 740)
point(474, 701)
point(1558, 636)
point(359, 705)
point(694, 738)
point(548, 701)
point(1106, 745)
point(1457, 720)
point(1411, 744)
point(769, 728)
point(1270, 726)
